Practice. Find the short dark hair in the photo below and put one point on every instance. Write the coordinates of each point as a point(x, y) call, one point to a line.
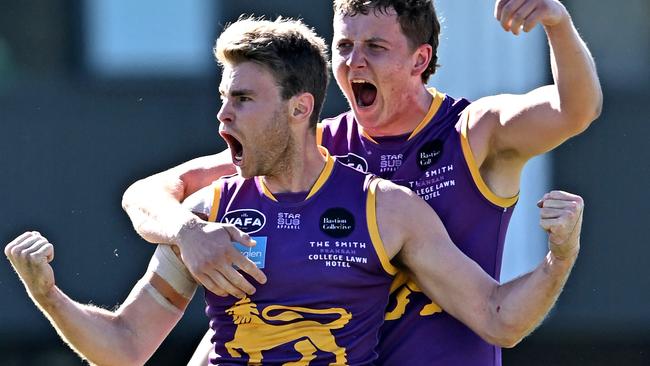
point(417, 18)
point(294, 54)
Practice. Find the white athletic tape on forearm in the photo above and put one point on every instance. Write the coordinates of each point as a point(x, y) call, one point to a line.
point(167, 265)
point(161, 299)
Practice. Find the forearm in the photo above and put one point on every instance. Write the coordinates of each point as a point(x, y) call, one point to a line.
point(154, 203)
point(574, 73)
point(94, 333)
point(519, 306)
point(154, 207)
point(136, 329)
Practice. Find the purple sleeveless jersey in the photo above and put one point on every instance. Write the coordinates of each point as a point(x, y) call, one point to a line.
point(328, 274)
point(434, 161)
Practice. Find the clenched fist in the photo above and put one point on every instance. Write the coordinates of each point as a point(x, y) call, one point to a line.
point(517, 15)
point(30, 254)
point(561, 217)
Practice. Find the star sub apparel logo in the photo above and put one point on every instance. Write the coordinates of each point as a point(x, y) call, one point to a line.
point(249, 221)
point(288, 221)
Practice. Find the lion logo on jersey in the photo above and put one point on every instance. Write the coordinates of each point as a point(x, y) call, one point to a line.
point(255, 334)
point(404, 288)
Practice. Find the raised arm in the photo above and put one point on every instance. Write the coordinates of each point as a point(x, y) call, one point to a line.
point(154, 206)
point(500, 314)
point(507, 130)
point(126, 336)
point(154, 203)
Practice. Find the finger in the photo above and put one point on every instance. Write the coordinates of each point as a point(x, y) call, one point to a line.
point(507, 11)
point(520, 15)
point(211, 285)
point(562, 195)
point(17, 241)
point(236, 279)
point(531, 21)
point(249, 267)
point(240, 236)
point(38, 244)
point(498, 8)
point(16, 250)
point(551, 213)
point(562, 204)
point(44, 254)
point(225, 285)
point(548, 224)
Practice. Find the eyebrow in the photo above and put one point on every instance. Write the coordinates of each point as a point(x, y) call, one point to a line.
point(238, 92)
point(376, 39)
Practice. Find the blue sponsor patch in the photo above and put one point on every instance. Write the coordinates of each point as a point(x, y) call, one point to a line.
point(256, 254)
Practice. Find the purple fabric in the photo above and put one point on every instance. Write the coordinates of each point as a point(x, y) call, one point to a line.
point(318, 256)
point(432, 164)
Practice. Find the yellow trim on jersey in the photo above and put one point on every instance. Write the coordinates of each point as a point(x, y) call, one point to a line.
point(438, 97)
point(368, 137)
point(373, 228)
point(267, 192)
point(319, 134)
point(325, 174)
point(322, 178)
point(476, 174)
point(214, 210)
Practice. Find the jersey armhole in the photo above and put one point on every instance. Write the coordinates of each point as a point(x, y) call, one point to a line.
point(474, 171)
point(373, 227)
point(216, 200)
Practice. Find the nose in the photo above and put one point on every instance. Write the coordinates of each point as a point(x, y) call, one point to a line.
point(225, 114)
point(356, 58)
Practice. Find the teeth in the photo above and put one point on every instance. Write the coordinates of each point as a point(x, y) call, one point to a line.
point(358, 81)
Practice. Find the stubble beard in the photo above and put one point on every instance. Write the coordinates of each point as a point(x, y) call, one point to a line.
point(279, 146)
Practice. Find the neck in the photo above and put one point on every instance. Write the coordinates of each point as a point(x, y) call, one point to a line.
point(301, 168)
point(413, 107)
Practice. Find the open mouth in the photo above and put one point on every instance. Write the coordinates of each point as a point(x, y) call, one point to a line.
point(236, 148)
point(365, 93)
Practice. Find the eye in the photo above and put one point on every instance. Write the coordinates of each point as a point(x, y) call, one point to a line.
point(343, 46)
point(376, 47)
point(243, 98)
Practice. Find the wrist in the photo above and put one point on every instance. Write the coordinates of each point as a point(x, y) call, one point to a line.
point(188, 225)
point(49, 299)
point(564, 259)
point(563, 22)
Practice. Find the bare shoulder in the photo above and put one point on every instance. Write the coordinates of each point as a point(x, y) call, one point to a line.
point(485, 111)
point(401, 215)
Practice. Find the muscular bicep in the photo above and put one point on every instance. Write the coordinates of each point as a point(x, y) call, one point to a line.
point(520, 126)
point(422, 247)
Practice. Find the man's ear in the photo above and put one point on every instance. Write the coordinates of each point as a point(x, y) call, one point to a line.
point(422, 57)
point(301, 106)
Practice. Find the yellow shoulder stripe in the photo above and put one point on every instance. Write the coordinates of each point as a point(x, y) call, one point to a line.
point(373, 228)
point(216, 199)
point(476, 174)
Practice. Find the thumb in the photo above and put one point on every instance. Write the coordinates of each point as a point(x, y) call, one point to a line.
point(240, 236)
